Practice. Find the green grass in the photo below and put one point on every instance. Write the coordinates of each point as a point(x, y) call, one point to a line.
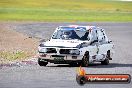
point(9, 56)
point(65, 10)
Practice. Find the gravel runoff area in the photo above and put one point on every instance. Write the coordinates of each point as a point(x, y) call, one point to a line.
point(14, 45)
point(63, 76)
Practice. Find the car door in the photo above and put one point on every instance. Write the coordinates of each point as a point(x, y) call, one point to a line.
point(102, 45)
point(93, 46)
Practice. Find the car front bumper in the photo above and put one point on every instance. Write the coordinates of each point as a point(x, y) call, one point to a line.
point(60, 59)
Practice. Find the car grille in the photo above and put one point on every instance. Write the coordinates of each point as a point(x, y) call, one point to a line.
point(64, 51)
point(51, 50)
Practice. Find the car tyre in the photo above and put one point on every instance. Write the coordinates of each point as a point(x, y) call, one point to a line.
point(106, 61)
point(85, 60)
point(42, 63)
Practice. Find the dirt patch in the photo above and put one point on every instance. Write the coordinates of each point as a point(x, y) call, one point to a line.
point(14, 45)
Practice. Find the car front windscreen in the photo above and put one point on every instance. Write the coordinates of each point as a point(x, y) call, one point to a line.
point(71, 34)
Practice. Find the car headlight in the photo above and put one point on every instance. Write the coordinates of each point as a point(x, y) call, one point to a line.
point(43, 50)
point(75, 52)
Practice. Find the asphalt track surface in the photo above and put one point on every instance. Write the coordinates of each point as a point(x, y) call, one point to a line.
point(64, 76)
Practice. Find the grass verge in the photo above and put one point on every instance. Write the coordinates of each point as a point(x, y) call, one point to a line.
point(10, 56)
point(63, 10)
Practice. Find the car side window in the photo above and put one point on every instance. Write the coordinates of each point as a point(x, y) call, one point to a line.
point(101, 36)
point(94, 37)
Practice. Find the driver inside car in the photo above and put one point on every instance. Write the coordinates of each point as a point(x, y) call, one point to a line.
point(70, 35)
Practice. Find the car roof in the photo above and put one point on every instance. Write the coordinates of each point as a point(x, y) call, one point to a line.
point(77, 27)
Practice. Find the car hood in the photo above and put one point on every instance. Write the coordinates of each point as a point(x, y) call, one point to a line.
point(62, 43)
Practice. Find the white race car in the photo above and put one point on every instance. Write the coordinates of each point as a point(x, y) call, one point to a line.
point(75, 44)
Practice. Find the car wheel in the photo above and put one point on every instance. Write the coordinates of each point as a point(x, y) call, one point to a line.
point(42, 63)
point(85, 60)
point(106, 61)
point(108, 55)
